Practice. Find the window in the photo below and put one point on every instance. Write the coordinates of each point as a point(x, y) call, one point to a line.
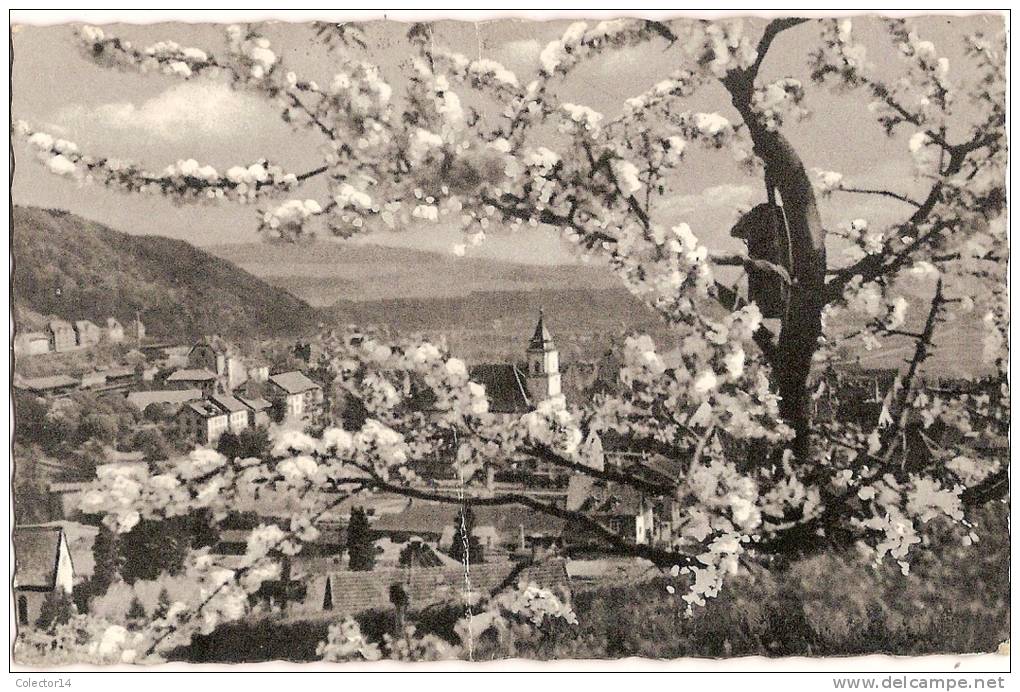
point(22, 610)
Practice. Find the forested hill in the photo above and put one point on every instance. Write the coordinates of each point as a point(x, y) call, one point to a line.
point(73, 268)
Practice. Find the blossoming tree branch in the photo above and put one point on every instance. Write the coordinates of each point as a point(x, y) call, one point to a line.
point(762, 475)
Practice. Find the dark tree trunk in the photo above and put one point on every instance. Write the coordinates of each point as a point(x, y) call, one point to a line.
point(801, 326)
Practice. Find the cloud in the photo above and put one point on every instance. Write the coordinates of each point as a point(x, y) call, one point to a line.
point(523, 49)
point(730, 197)
point(181, 113)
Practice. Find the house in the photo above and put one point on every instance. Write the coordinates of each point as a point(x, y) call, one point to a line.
point(299, 394)
point(210, 354)
point(120, 379)
point(136, 330)
point(504, 527)
point(352, 593)
point(114, 330)
point(61, 336)
point(173, 397)
point(214, 355)
point(42, 566)
point(52, 386)
point(237, 412)
point(189, 378)
point(620, 508)
point(203, 421)
point(31, 343)
point(258, 411)
point(87, 333)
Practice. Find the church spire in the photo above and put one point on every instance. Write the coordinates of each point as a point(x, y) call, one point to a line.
point(541, 340)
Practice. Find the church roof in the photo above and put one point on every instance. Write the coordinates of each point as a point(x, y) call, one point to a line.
point(505, 387)
point(541, 340)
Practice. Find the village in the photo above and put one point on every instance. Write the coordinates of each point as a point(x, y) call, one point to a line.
point(207, 393)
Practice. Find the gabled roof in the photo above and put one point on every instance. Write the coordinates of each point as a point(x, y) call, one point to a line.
point(422, 517)
point(40, 384)
point(420, 555)
point(36, 555)
point(294, 382)
point(419, 518)
point(59, 325)
point(163, 396)
point(255, 404)
point(205, 408)
point(191, 375)
point(84, 324)
point(505, 387)
point(123, 371)
point(228, 403)
point(585, 494)
point(357, 592)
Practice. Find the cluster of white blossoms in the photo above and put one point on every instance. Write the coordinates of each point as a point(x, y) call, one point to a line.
point(827, 182)
point(778, 101)
point(186, 180)
point(924, 152)
point(484, 75)
point(660, 98)
point(524, 603)
point(84, 639)
point(719, 47)
point(435, 156)
point(579, 42)
point(252, 52)
point(865, 239)
point(167, 57)
point(927, 72)
point(287, 221)
point(841, 56)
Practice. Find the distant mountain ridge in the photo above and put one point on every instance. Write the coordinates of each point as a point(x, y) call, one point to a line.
point(323, 273)
point(75, 269)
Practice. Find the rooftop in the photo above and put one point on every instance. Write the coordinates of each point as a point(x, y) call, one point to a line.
point(421, 517)
point(356, 592)
point(228, 403)
point(44, 383)
point(505, 387)
point(541, 340)
point(255, 404)
point(36, 554)
point(191, 375)
point(163, 396)
point(205, 408)
point(294, 382)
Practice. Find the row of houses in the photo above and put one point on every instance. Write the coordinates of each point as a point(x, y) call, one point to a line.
point(60, 336)
point(120, 379)
point(206, 413)
point(205, 420)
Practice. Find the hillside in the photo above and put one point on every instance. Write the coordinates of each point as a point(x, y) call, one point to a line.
point(323, 273)
point(73, 268)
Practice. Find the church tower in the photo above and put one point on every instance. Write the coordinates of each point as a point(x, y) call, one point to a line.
point(543, 365)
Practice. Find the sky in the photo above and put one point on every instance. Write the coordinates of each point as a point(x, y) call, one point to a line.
point(156, 120)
